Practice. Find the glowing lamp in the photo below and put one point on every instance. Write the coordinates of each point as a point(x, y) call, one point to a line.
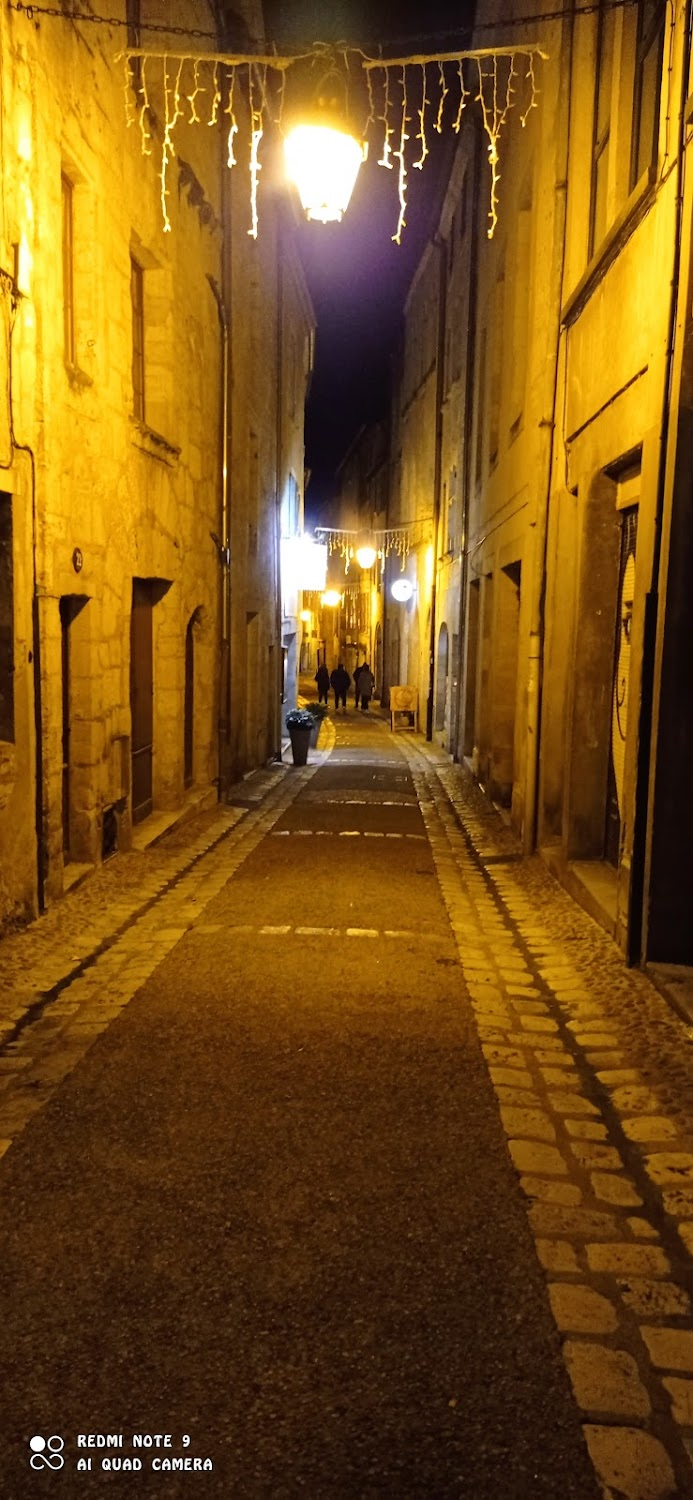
point(402, 590)
point(366, 556)
point(305, 615)
point(331, 598)
point(323, 163)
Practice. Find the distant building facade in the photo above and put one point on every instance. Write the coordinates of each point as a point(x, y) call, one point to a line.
point(541, 456)
point(148, 441)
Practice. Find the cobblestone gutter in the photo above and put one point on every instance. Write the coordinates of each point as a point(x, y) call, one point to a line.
point(593, 1076)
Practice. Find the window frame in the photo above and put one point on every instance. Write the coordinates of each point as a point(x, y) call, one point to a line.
point(601, 138)
point(67, 198)
point(7, 655)
point(647, 38)
point(138, 347)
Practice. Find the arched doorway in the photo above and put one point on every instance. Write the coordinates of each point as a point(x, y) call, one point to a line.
point(378, 660)
point(192, 630)
point(442, 662)
point(394, 654)
point(189, 704)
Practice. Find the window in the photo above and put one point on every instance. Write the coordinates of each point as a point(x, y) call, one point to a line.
point(133, 18)
point(497, 315)
point(602, 129)
point(479, 413)
point(6, 621)
point(137, 299)
point(68, 242)
point(648, 72)
point(521, 301)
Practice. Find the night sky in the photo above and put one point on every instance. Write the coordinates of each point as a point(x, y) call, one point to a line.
point(357, 277)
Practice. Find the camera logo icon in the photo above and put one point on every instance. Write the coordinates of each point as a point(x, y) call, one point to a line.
point(46, 1453)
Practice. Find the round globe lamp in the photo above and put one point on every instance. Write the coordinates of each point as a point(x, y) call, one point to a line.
point(402, 590)
point(365, 556)
point(331, 598)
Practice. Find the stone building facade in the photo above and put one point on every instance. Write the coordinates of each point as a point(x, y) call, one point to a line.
point(541, 424)
point(144, 452)
point(362, 502)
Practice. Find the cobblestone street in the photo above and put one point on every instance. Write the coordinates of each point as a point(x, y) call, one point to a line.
point(337, 1136)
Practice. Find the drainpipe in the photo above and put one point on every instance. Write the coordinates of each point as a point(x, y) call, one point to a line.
point(538, 602)
point(276, 687)
point(439, 245)
point(15, 447)
point(470, 358)
point(223, 543)
point(637, 919)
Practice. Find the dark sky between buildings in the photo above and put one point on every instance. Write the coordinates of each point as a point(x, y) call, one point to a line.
point(358, 279)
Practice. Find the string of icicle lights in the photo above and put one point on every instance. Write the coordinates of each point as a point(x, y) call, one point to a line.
point(392, 539)
point(408, 98)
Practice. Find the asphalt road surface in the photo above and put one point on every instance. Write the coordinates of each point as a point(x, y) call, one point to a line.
point(272, 1209)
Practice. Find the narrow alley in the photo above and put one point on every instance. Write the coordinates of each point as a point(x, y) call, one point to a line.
point(341, 1148)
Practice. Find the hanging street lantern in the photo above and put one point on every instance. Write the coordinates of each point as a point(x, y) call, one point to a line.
point(323, 152)
point(366, 555)
point(323, 162)
point(323, 149)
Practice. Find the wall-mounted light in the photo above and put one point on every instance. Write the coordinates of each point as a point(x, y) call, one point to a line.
point(401, 590)
point(331, 598)
point(303, 563)
point(306, 616)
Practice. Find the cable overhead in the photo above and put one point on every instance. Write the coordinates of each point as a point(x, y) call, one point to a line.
point(509, 23)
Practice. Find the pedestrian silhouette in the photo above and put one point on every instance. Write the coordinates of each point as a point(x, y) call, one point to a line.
point(366, 686)
point(340, 681)
point(322, 677)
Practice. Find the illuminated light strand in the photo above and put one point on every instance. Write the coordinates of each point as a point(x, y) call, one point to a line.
point(489, 123)
point(194, 118)
point(262, 85)
point(256, 133)
point(422, 119)
point(216, 97)
point(530, 74)
point(497, 95)
point(167, 149)
point(371, 106)
point(177, 111)
point(129, 71)
point(402, 178)
point(388, 129)
point(233, 126)
point(509, 90)
point(525, 49)
point(280, 104)
point(444, 91)
point(145, 137)
point(464, 95)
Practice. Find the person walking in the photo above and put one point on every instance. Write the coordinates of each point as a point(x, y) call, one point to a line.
point(366, 686)
point(339, 682)
point(322, 677)
point(357, 674)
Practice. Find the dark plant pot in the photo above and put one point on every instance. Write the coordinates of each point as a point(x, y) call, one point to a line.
point(300, 740)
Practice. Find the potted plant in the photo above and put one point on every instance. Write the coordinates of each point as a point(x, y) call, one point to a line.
point(317, 712)
point(300, 725)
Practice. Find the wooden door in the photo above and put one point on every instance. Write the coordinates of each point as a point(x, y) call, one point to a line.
point(189, 705)
point(141, 697)
point(65, 618)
